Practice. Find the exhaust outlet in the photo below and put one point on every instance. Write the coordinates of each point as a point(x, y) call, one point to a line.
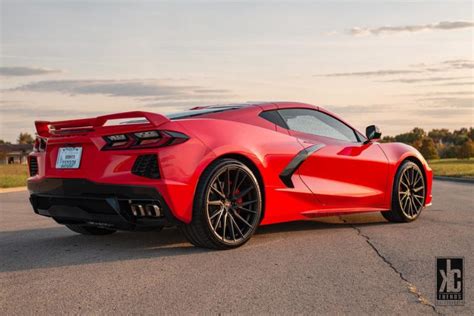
point(145, 210)
point(153, 210)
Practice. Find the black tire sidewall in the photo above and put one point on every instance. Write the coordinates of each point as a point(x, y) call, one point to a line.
point(397, 213)
point(200, 211)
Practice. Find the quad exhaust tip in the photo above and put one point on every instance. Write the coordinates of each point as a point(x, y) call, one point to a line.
point(145, 210)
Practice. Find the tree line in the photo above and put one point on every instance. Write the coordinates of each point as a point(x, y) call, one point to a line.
point(23, 138)
point(438, 143)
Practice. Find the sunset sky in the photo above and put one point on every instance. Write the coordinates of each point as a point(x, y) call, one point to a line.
point(397, 64)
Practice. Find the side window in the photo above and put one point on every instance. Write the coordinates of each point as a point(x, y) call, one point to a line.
point(317, 123)
point(274, 117)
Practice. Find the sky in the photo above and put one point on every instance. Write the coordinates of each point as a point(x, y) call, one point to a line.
point(396, 64)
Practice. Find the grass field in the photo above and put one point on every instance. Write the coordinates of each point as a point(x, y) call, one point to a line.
point(15, 175)
point(453, 167)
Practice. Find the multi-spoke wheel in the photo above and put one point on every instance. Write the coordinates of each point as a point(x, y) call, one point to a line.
point(408, 198)
point(227, 206)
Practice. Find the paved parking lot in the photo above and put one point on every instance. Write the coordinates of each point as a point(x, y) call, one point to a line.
point(351, 264)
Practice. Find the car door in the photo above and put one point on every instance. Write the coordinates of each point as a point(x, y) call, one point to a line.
point(341, 170)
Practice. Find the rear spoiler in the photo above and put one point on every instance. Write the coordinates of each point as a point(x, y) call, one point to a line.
point(46, 128)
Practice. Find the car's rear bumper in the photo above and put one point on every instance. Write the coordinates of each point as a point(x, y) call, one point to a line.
point(126, 207)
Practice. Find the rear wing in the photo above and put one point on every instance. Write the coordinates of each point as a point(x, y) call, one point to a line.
point(47, 129)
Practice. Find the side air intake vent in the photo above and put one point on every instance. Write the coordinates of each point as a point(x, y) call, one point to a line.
point(33, 165)
point(146, 166)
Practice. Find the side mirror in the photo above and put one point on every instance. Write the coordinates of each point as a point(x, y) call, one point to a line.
point(372, 132)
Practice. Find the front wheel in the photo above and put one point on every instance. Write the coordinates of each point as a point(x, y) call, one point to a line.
point(227, 206)
point(408, 196)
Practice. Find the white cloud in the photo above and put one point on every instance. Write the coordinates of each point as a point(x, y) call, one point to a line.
point(426, 79)
point(383, 72)
point(26, 71)
point(445, 25)
point(124, 88)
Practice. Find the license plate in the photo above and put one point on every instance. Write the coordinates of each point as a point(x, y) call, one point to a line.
point(69, 158)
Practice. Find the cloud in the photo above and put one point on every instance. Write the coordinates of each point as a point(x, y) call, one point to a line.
point(153, 89)
point(460, 63)
point(450, 102)
point(464, 83)
point(445, 25)
point(25, 71)
point(211, 91)
point(440, 93)
point(34, 112)
point(426, 79)
point(444, 107)
point(384, 72)
point(420, 68)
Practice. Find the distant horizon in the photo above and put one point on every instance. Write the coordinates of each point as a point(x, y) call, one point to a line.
point(64, 60)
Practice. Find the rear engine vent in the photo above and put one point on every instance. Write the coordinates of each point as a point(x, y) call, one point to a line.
point(146, 166)
point(33, 165)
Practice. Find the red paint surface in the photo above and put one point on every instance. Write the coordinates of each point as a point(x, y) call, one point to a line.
point(339, 178)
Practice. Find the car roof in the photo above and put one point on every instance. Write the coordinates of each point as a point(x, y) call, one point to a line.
point(211, 109)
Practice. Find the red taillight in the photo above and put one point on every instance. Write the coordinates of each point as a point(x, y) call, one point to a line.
point(146, 139)
point(40, 144)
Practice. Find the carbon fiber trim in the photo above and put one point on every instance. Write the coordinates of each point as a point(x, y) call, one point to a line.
point(294, 164)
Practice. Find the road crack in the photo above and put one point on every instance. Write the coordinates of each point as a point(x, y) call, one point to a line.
point(410, 286)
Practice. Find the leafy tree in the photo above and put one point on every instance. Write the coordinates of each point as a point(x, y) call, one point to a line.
point(442, 136)
point(428, 149)
point(387, 139)
point(25, 138)
point(2, 142)
point(449, 151)
point(413, 138)
point(470, 134)
point(447, 144)
point(465, 150)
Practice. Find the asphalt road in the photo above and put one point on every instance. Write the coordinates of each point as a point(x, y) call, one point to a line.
point(352, 264)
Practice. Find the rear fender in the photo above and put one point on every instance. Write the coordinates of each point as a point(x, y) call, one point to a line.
point(226, 138)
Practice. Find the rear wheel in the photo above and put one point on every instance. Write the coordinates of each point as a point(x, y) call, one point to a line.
point(408, 196)
point(89, 230)
point(227, 206)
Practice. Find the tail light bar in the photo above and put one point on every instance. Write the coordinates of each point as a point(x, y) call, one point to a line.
point(145, 139)
point(39, 144)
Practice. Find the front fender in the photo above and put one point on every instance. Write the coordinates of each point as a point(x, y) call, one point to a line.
point(396, 154)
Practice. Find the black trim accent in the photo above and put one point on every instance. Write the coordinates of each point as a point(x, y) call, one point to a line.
point(83, 201)
point(294, 164)
point(274, 117)
point(146, 166)
point(33, 166)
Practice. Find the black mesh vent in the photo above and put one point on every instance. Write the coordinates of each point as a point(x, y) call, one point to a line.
point(33, 165)
point(146, 166)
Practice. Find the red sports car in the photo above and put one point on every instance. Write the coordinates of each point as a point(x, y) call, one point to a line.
point(218, 172)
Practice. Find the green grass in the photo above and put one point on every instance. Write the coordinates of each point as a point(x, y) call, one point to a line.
point(453, 167)
point(13, 176)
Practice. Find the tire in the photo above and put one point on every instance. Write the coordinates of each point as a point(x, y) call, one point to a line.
point(89, 230)
point(408, 194)
point(227, 206)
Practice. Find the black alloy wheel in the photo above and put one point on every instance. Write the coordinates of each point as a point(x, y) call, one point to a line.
point(228, 206)
point(408, 197)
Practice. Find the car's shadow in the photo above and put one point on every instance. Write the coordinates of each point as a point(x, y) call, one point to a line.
point(57, 246)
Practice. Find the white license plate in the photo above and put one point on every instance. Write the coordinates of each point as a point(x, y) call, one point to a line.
point(69, 158)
